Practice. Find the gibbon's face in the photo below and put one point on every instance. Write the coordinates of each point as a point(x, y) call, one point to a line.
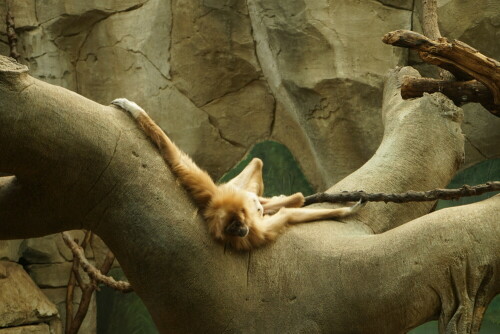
point(241, 220)
point(236, 226)
point(232, 214)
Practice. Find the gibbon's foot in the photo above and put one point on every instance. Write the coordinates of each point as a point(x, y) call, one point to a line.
point(129, 106)
point(359, 205)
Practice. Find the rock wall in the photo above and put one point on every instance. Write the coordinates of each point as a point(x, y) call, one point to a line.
point(220, 76)
point(23, 307)
point(42, 293)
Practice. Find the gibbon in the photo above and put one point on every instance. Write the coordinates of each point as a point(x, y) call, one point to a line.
point(235, 212)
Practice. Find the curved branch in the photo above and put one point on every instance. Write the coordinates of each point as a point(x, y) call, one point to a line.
point(406, 157)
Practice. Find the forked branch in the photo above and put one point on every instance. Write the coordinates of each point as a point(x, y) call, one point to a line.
point(457, 57)
point(92, 271)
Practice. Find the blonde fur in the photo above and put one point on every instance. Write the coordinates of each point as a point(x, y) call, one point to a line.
point(235, 212)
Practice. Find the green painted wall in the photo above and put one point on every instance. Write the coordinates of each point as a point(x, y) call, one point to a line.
point(281, 172)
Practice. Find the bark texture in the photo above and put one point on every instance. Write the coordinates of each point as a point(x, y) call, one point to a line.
point(457, 57)
point(79, 164)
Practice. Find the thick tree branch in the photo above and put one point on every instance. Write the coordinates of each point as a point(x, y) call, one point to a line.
point(28, 203)
point(409, 196)
point(404, 156)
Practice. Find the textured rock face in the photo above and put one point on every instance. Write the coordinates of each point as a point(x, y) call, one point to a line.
point(30, 329)
point(220, 76)
point(21, 301)
point(49, 249)
point(9, 249)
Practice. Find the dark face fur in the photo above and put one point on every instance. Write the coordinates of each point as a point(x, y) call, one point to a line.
point(236, 228)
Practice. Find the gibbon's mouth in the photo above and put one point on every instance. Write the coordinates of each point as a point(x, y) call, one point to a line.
point(236, 230)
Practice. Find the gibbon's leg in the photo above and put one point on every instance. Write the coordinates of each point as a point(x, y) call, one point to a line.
point(273, 204)
point(250, 178)
point(303, 215)
point(199, 184)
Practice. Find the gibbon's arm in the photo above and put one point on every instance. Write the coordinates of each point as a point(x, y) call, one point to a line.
point(198, 183)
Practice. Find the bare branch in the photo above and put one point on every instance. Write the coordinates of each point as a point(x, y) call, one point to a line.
point(460, 92)
point(107, 263)
point(92, 271)
point(410, 196)
point(83, 307)
point(70, 292)
point(455, 56)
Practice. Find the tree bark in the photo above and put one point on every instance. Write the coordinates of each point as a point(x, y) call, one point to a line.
point(79, 164)
point(460, 92)
point(457, 57)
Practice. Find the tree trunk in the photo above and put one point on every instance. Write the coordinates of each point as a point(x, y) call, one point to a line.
point(79, 164)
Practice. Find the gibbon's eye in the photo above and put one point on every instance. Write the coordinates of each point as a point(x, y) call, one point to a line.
point(236, 228)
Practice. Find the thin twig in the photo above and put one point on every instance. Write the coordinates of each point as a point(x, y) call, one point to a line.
point(70, 293)
point(107, 263)
point(83, 308)
point(410, 196)
point(76, 273)
point(92, 271)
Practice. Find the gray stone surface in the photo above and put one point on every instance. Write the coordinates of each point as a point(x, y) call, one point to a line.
point(52, 275)
point(200, 67)
point(30, 329)
point(21, 301)
point(50, 249)
point(9, 250)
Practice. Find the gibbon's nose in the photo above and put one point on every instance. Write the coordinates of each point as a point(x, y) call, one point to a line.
point(243, 232)
point(237, 229)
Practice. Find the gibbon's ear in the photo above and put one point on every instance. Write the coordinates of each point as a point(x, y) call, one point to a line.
point(250, 178)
